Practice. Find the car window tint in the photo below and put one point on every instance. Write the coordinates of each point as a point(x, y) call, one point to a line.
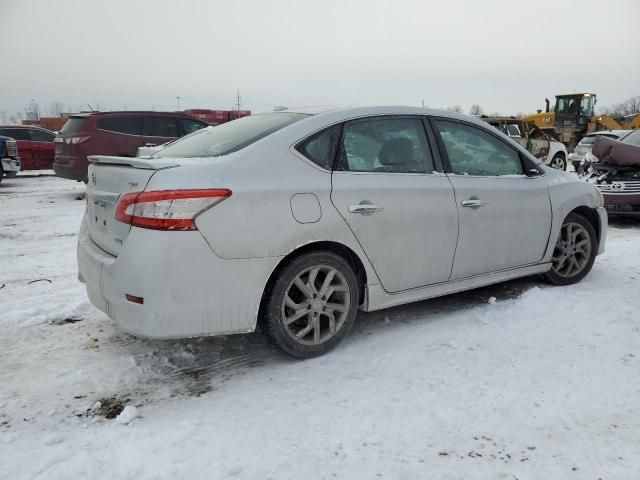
point(161, 127)
point(321, 147)
point(229, 137)
point(40, 136)
point(391, 145)
point(129, 125)
point(472, 151)
point(16, 133)
point(190, 126)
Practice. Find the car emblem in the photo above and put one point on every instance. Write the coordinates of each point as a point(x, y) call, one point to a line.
point(93, 177)
point(617, 186)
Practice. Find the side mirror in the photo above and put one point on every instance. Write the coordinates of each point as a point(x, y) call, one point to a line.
point(534, 172)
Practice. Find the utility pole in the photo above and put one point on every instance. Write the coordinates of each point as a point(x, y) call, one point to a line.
point(423, 103)
point(238, 98)
point(178, 99)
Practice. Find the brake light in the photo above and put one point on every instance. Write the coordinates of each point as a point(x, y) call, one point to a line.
point(76, 140)
point(167, 209)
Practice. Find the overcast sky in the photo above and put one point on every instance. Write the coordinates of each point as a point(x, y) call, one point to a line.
point(506, 56)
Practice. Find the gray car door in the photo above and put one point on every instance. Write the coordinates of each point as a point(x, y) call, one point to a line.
point(400, 209)
point(504, 215)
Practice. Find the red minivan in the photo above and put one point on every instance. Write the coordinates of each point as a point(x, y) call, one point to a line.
point(35, 145)
point(114, 133)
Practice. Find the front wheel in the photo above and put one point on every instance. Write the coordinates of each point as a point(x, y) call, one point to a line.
point(574, 252)
point(558, 162)
point(312, 305)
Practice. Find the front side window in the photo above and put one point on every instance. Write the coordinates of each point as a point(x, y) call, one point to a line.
point(321, 147)
point(128, 125)
point(472, 151)
point(387, 145)
point(40, 136)
point(229, 137)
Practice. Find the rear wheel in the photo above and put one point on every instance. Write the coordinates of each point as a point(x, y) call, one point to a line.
point(574, 252)
point(311, 305)
point(558, 162)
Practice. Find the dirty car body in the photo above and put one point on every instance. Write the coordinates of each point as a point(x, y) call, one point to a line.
point(372, 186)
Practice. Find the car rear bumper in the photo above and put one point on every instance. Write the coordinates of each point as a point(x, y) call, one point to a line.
point(10, 164)
point(71, 167)
point(188, 291)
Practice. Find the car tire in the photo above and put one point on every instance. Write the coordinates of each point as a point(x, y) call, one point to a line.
point(311, 305)
point(574, 252)
point(558, 162)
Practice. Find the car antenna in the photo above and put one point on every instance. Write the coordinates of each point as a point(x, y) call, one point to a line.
point(90, 107)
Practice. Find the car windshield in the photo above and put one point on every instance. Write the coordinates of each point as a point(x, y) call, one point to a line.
point(633, 138)
point(229, 137)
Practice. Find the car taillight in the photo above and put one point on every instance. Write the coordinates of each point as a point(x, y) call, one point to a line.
point(12, 148)
point(76, 140)
point(167, 209)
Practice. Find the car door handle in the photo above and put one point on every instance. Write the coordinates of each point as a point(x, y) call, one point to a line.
point(364, 208)
point(473, 202)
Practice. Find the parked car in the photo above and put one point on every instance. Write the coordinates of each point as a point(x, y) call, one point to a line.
point(35, 145)
point(584, 146)
point(114, 133)
point(546, 149)
point(294, 220)
point(617, 173)
point(9, 159)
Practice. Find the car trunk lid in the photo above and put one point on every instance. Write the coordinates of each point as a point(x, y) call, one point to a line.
point(108, 179)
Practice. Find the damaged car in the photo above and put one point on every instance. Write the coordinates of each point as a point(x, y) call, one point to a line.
point(614, 168)
point(548, 150)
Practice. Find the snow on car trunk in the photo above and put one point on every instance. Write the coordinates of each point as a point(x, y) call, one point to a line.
point(109, 178)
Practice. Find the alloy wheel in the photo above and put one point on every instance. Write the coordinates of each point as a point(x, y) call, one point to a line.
point(572, 251)
point(315, 305)
point(557, 163)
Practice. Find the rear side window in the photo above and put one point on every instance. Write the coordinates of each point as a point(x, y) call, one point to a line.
point(472, 151)
point(190, 126)
point(128, 125)
point(161, 127)
point(73, 125)
point(321, 147)
point(588, 140)
point(40, 136)
point(16, 133)
point(388, 145)
point(229, 137)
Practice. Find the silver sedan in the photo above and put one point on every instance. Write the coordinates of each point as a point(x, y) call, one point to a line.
point(294, 220)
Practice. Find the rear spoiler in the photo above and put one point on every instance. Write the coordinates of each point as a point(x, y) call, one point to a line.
point(156, 164)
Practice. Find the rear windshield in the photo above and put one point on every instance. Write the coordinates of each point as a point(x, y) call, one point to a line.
point(229, 137)
point(73, 125)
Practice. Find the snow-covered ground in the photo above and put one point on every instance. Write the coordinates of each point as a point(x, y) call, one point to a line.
point(543, 383)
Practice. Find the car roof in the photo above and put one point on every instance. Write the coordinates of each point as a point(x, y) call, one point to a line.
point(617, 133)
point(129, 112)
point(26, 126)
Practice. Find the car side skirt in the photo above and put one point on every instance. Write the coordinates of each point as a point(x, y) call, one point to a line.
point(378, 299)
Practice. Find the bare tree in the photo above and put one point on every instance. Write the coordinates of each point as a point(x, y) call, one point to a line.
point(630, 106)
point(476, 110)
point(455, 108)
point(56, 109)
point(33, 111)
